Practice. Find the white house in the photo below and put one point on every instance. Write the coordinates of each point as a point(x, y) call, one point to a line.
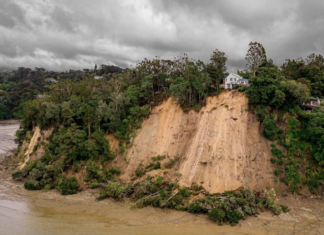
point(234, 80)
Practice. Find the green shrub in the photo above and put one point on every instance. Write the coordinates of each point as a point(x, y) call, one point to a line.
point(17, 175)
point(271, 129)
point(93, 170)
point(242, 89)
point(139, 171)
point(113, 190)
point(76, 166)
point(261, 112)
point(195, 187)
point(32, 185)
point(217, 215)
point(158, 158)
point(277, 172)
point(196, 208)
point(292, 175)
point(114, 170)
point(68, 186)
point(169, 164)
point(184, 192)
point(153, 166)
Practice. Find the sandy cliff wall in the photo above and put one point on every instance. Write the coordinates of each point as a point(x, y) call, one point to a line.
point(33, 149)
point(220, 147)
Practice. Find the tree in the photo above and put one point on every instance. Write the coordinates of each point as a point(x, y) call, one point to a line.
point(296, 93)
point(305, 82)
point(89, 118)
point(255, 56)
point(217, 68)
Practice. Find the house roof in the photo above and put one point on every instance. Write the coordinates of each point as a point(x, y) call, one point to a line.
point(243, 80)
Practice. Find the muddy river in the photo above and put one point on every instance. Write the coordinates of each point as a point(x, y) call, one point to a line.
point(25, 212)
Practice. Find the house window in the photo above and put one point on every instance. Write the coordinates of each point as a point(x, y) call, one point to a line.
point(231, 79)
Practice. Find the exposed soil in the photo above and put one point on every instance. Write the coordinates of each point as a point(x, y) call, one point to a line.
point(220, 147)
point(33, 149)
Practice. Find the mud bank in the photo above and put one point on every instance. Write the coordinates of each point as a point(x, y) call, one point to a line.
point(8, 129)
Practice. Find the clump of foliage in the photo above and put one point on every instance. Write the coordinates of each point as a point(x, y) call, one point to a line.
point(114, 190)
point(39, 176)
point(68, 186)
point(17, 175)
point(169, 164)
point(271, 130)
point(140, 170)
point(95, 172)
point(228, 207)
point(155, 163)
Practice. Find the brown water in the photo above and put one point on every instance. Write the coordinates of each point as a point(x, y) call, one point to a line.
point(7, 131)
point(38, 212)
point(26, 212)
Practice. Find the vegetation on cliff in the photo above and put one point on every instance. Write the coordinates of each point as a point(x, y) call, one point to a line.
point(276, 97)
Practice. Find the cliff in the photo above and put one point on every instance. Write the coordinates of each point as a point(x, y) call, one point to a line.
point(220, 148)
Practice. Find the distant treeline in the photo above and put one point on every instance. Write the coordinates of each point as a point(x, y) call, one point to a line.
point(23, 84)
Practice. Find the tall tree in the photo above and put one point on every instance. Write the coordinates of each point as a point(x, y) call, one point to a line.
point(217, 67)
point(255, 56)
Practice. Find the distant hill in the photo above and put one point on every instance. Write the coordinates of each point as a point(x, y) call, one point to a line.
point(6, 70)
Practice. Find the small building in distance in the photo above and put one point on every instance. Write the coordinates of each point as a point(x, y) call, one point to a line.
point(51, 80)
point(313, 102)
point(233, 80)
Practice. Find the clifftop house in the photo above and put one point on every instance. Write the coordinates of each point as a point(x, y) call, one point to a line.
point(313, 102)
point(233, 80)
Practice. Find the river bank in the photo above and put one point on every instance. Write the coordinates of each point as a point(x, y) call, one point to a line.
point(48, 212)
point(8, 129)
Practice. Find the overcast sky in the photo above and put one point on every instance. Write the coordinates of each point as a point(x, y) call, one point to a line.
point(63, 34)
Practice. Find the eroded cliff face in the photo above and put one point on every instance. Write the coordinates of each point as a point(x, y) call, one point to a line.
point(220, 147)
point(34, 149)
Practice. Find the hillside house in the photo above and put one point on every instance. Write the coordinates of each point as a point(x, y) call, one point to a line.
point(313, 102)
point(233, 80)
point(51, 80)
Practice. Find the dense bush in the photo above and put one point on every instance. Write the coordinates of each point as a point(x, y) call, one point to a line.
point(228, 207)
point(68, 186)
point(39, 176)
point(17, 175)
point(271, 130)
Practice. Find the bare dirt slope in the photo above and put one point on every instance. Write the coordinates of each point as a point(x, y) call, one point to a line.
point(220, 147)
point(34, 149)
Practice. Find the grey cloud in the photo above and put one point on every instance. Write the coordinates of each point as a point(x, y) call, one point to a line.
point(10, 14)
point(79, 33)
